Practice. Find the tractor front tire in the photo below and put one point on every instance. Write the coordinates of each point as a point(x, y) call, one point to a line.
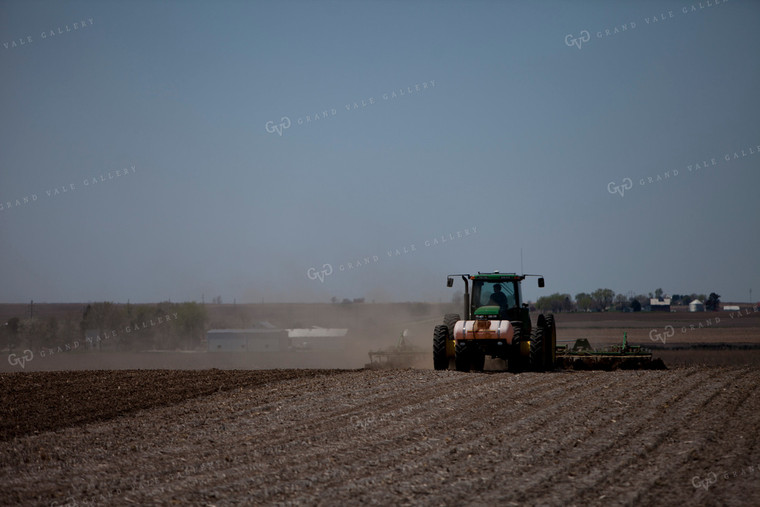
point(514, 361)
point(537, 358)
point(550, 342)
point(463, 356)
point(440, 336)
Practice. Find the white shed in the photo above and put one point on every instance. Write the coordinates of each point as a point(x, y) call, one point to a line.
point(696, 306)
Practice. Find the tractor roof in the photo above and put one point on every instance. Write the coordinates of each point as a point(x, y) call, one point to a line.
point(497, 277)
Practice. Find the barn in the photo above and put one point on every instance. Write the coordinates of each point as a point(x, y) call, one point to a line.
point(247, 340)
point(659, 304)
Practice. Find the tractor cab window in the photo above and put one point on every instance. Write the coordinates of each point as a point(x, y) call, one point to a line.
point(494, 294)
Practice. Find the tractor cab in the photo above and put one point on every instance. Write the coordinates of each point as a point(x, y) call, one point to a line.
point(497, 297)
point(494, 298)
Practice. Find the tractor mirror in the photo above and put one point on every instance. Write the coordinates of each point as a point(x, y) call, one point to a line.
point(541, 282)
point(449, 282)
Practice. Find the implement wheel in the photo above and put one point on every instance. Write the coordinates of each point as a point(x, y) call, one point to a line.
point(440, 336)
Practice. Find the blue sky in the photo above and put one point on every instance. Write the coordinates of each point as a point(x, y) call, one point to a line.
point(527, 136)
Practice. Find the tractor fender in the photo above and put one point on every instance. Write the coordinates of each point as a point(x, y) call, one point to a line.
point(484, 330)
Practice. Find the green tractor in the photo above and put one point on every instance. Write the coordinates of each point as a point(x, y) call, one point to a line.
point(496, 323)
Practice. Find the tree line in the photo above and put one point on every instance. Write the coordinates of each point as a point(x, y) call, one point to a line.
point(605, 299)
point(185, 330)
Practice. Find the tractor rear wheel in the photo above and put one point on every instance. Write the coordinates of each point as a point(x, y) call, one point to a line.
point(440, 336)
point(463, 356)
point(537, 349)
point(550, 342)
point(514, 361)
point(449, 320)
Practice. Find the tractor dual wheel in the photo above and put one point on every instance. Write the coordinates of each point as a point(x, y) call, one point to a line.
point(550, 342)
point(440, 336)
point(449, 320)
point(537, 357)
point(514, 361)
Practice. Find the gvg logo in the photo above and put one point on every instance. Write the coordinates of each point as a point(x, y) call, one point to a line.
point(708, 481)
point(571, 40)
point(666, 333)
point(613, 188)
point(272, 128)
point(15, 360)
point(313, 274)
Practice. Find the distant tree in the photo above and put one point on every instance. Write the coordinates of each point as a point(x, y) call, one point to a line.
point(621, 302)
point(104, 317)
point(583, 301)
point(217, 300)
point(554, 303)
point(658, 293)
point(50, 332)
point(713, 302)
point(333, 300)
point(643, 300)
point(602, 298)
point(635, 305)
point(189, 327)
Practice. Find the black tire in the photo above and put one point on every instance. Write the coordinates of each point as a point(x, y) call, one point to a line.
point(449, 320)
point(537, 349)
point(514, 362)
point(440, 336)
point(550, 342)
point(463, 356)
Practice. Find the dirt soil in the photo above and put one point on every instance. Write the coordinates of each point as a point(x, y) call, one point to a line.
point(684, 435)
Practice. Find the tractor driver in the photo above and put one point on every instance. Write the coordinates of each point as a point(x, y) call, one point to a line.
point(498, 297)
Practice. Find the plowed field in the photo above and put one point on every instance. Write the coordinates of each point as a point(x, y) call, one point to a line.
point(387, 437)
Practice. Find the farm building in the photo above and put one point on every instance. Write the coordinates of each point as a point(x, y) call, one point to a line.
point(318, 338)
point(696, 306)
point(247, 340)
point(659, 304)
